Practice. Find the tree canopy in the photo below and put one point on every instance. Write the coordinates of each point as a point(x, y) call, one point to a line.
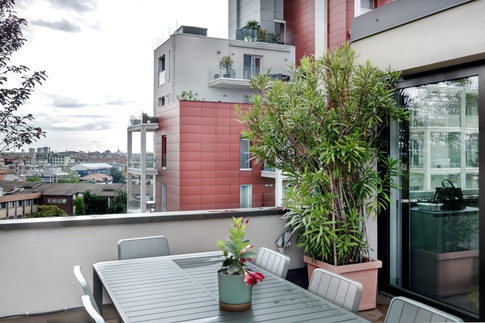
point(15, 129)
point(47, 211)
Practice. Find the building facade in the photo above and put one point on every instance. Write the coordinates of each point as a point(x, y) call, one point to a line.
point(198, 144)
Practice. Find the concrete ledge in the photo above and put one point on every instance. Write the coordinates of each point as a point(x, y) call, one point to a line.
point(111, 219)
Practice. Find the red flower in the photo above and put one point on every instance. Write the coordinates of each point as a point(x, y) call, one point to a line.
point(252, 277)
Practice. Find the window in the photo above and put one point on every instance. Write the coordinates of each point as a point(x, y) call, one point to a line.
point(244, 161)
point(245, 196)
point(164, 197)
point(280, 31)
point(252, 66)
point(362, 6)
point(164, 152)
point(56, 201)
point(161, 70)
point(161, 101)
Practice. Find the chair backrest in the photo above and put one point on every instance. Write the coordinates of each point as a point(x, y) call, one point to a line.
point(78, 272)
point(403, 309)
point(337, 289)
point(273, 261)
point(143, 247)
point(90, 308)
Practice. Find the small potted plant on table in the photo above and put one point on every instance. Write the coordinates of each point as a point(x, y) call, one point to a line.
point(235, 280)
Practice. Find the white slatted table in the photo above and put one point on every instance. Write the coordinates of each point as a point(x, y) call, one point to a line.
point(183, 288)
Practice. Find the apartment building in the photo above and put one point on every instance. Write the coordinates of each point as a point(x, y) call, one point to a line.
point(202, 161)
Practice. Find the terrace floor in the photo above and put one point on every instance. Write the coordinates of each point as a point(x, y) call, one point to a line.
point(298, 277)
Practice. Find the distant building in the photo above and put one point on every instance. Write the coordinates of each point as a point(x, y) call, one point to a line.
point(47, 175)
point(50, 160)
point(21, 199)
point(85, 169)
point(97, 178)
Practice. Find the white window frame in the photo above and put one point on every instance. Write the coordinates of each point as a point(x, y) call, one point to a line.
point(244, 145)
point(246, 196)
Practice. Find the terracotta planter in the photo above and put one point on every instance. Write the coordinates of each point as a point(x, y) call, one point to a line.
point(442, 274)
point(234, 295)
point(365, 273)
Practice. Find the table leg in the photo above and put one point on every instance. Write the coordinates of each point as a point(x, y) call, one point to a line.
point(98, 291)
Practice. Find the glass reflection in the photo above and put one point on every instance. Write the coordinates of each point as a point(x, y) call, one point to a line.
point(439, 148)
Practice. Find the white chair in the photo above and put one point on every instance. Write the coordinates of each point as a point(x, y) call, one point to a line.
point(143, 247)
point(337, 289)
point(403, 310)
point(91, 309)
point(88, 294)
point(273, 262)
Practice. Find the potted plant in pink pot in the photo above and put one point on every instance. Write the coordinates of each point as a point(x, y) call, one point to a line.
point(235, 279)
point(324, 132)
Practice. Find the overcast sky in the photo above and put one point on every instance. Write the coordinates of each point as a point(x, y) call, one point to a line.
point(98, 55)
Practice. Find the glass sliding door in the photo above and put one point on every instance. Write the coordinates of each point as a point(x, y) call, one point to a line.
point(436, 223)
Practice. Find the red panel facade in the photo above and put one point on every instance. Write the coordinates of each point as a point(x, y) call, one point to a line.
point(203, 159)
point(300, 26)
point(340, 13)
point(300, 23)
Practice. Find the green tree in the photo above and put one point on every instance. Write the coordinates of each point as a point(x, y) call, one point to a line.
point(79, 206)
point(117, 175)
point(324, 131)
point(67, 180)
point(95, 204)
point(47, 211)
point(118, 203)
point(33, 178)
point(15, 130)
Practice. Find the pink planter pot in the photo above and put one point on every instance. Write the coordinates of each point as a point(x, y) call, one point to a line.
point(365, 273)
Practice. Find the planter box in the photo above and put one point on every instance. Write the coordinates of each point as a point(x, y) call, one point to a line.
point(365, 273)
point(442, 274)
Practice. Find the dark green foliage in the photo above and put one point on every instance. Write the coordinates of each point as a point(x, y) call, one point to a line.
point(117, 175)
point(95, 204)
point(47, 211)
point(118, 203)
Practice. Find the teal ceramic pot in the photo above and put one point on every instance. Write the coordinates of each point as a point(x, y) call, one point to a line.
point(234, 295)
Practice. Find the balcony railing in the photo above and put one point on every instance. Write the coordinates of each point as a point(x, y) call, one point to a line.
point(245, 73)
point(135, 162)
point(38, 255)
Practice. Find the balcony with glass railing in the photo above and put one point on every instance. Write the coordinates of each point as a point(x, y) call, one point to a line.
point(134, 162)
point(239, 75)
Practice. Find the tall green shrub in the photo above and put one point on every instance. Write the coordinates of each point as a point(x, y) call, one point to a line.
point(325, 132)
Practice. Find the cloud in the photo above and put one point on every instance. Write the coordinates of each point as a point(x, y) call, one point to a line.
point(64, 102)
point(75, 5)
point(62, 25)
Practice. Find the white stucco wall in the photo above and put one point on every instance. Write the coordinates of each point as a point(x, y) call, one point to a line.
point(444, 39)
point(189, 60)
point(37, 263)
